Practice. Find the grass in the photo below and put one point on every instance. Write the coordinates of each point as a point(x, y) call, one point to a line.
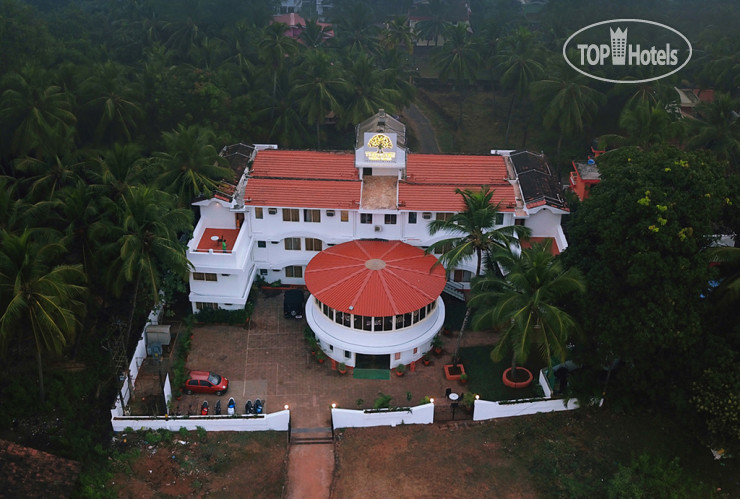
point(485, 375)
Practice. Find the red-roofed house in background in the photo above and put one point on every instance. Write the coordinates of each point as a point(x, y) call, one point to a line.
point(296, 25)
point(290, 206)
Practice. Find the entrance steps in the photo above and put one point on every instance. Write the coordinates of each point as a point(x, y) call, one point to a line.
point(307, 436)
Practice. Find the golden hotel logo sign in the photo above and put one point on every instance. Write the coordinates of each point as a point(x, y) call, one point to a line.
point(378, 148)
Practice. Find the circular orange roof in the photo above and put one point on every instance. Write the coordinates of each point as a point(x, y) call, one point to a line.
point(375, 278)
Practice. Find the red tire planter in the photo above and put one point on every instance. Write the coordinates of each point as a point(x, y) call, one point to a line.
point(519, 384)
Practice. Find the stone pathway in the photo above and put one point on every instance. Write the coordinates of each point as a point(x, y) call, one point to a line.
point(422, 128)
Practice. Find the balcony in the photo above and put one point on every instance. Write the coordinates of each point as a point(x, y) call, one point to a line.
point(219, 248)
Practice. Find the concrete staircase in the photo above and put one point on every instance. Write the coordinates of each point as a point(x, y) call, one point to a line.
point(307, 436)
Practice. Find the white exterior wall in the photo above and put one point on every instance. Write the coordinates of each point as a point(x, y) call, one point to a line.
point(411, 342)
point(349, 418)
point(545, 222)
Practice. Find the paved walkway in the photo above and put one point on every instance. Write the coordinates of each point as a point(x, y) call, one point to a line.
point(270, 360)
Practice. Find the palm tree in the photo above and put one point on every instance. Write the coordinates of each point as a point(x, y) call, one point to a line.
point(190, 166)
point(275, 48)
point(434, 20)
point(319, 89)
point(568, 105)
point(475, 235)
point(313, 35)
point(354, 30)
point(397, 33)
point(718, 128)
point(33, 111)
point(37, 297)
point(645, 125)
point(526, 302)
point(144, 244)
point(113, 101)
point(519, 63)
point(366, 90)
point(458, 59)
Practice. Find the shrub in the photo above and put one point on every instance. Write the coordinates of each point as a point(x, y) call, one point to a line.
point(383, 401)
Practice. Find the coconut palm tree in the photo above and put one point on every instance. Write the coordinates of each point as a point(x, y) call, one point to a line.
point(144, 242)
point(397, 33)
point(718, 128)
point(38, 297)
point(475, 234)
point(190, 165)
point(568, 105)
point(366, 91)
point(519, 61)
point(318, 91)
point(526, 303)
point(274, 49)
point(458, 59)
point(32, 111)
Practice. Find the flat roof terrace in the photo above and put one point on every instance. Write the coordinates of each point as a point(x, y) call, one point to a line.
point(214, 239)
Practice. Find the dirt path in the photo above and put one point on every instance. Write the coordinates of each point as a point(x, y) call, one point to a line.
point(310, 471)
point(422, 129)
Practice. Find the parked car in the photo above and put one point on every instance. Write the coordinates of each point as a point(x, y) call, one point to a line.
point(206, 382)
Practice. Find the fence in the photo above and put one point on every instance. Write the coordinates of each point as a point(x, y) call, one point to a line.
point(276, 421)
point(352, 418)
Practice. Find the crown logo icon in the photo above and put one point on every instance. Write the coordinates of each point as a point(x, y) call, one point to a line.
point(619, 46)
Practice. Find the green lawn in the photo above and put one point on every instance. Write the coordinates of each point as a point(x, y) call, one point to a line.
point(485, 375)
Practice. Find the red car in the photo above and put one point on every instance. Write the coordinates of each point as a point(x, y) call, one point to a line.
point(206, 382)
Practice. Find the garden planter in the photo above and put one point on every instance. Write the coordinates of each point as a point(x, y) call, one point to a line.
point(426, 361)
point(400, 373)
point(517, 384)
point(454, 371)
point(342, 371)
point(437, 350)
point(447, 331)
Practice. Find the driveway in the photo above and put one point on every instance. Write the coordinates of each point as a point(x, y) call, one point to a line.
point(270, 360)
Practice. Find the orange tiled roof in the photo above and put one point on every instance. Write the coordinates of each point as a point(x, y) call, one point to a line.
point(553, 247)
point(431, 180)
point(350, 274)
point(313, 179)
point(224, 235)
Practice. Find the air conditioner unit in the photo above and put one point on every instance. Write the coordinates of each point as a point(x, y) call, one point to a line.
point(272, 211)
point(329, 213)
point(378, 228)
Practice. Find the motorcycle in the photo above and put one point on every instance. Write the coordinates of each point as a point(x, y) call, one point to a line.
point(231, 407)
point(204, 408)
point(218, 407)
point(258, 406)
point(248, 407)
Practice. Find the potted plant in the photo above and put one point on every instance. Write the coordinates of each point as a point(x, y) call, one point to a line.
point(400, 369)
point(426, 359)
point(320, 356)
point(447, 331)
point(468, 401)
point(437, 345)
point(342, 368)
point(463, 378)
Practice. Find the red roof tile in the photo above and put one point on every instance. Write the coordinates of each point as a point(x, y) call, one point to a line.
point(375, 278)
point(553, 246)
point(303, 193)
point(423, 197)
point(305, 165)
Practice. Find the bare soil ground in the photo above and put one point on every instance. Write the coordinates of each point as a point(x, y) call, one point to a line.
point(567, 454)
point(195, 464)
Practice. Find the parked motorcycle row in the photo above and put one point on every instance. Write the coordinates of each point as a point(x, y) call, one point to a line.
point(250, 408)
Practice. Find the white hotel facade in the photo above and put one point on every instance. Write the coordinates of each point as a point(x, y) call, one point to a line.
point(290, 205)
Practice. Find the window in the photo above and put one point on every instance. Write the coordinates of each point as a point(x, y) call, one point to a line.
point(292, 243)
point(412, 217)
point(344, 214)
point(313, 244)
point(397, 356)
point(367, 172)
point(462, 276)
point(263, 271)
point(347, 354)
point(519, 221)
point(294, 271)
point(444, 216)
point(258, 212)
point(390, 219)
point(206, 306)
point(312, 215)
point(262, 244)
point(499, 219)
point(291, 215)
point(200, 276)
point(339, 317)
point(426, 215)
point(366, 218)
